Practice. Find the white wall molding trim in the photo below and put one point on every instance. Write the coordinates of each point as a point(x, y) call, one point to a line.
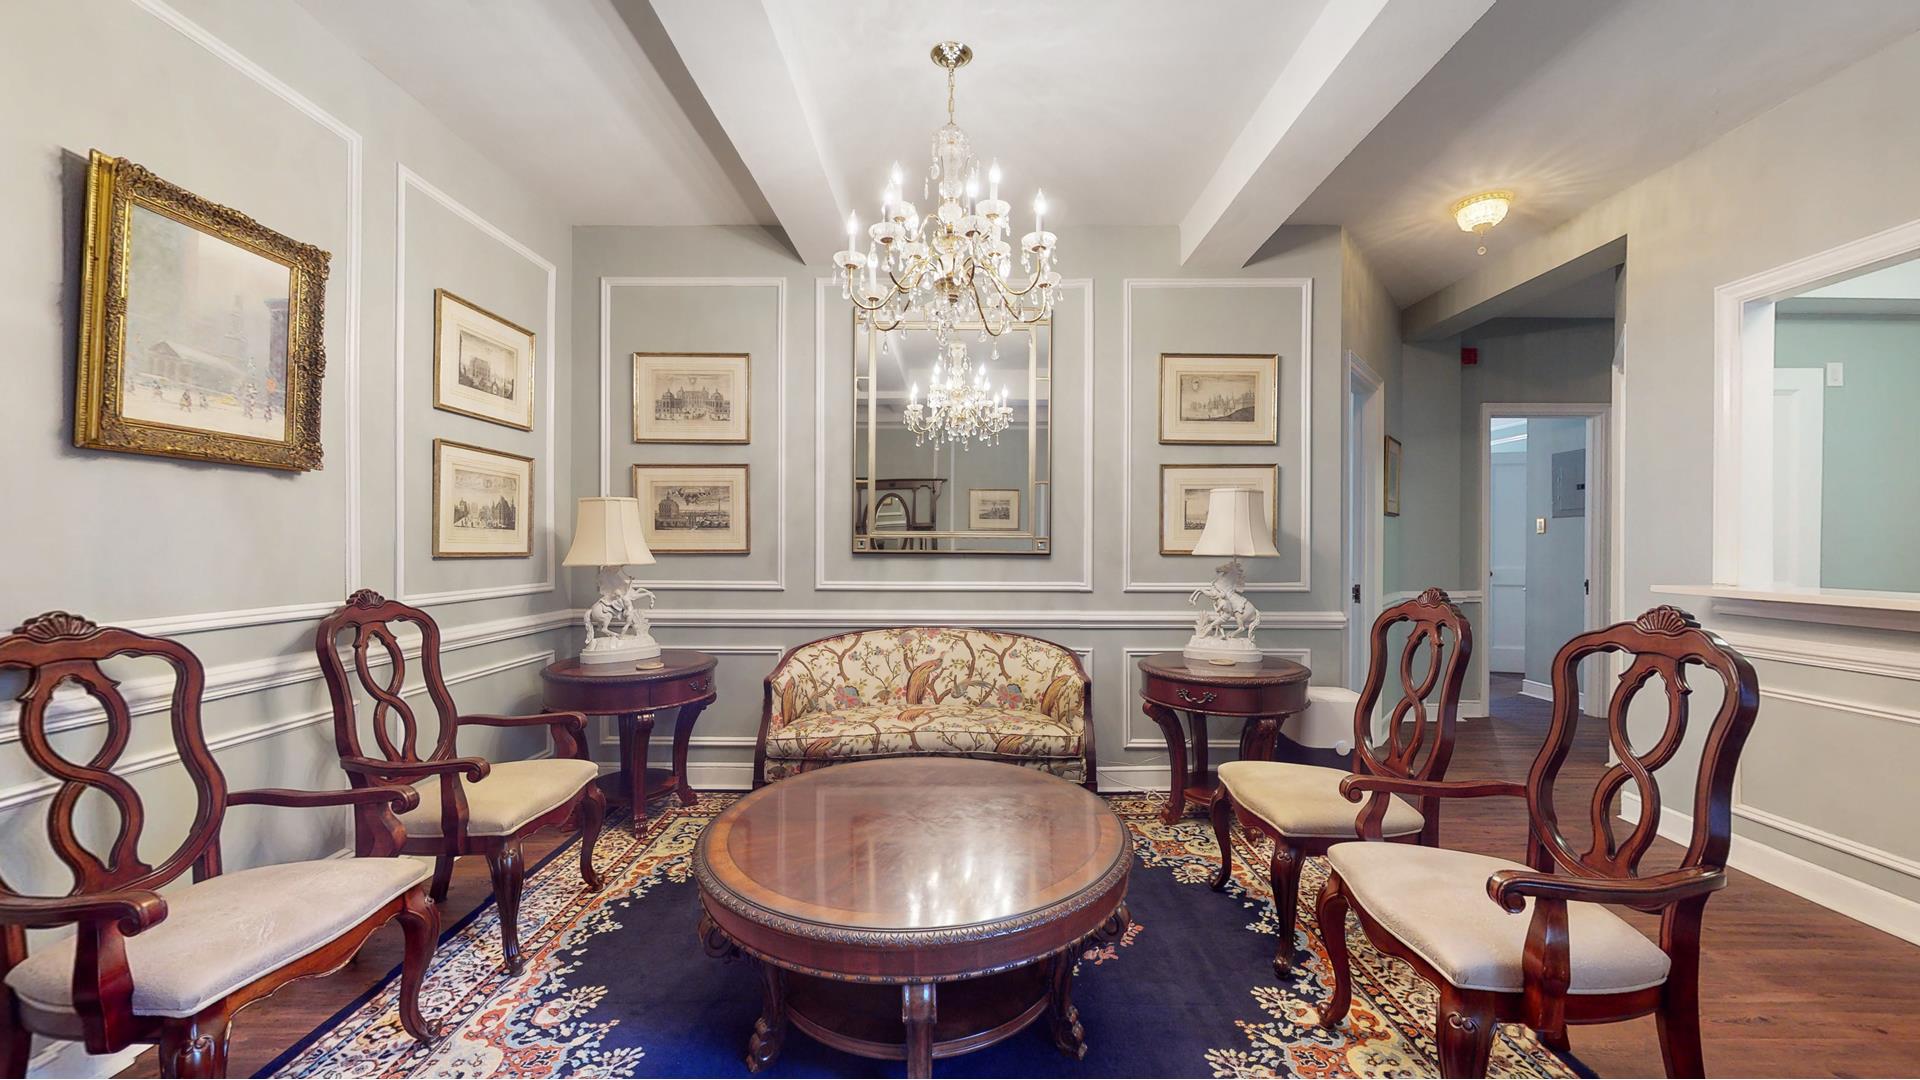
point(1537, 690)
point(778, 583)
point(1830, 655)
point(23, 794)
point(822, 583)
point(68, 1059)
point(347, 363)
point(1134, 740)
point(406, 178)
point(1302, 395)
point(1015, 619)
point(154, 694)
point(1831, 889)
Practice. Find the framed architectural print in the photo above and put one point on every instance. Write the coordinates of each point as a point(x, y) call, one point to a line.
point(692, 398)
point(200, 328)
point(993, 509)
point(1219, 399)
point(1390, 484)
point(693, 509)
point(482, 503)
point(1183, 499)
point(483, 365)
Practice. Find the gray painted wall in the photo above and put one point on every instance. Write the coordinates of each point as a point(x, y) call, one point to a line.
point(1869, 512)
point(801, 580)
point(238, 562)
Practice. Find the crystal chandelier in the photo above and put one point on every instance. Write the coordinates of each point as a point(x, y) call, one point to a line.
point(960, 405)
point(954, 267)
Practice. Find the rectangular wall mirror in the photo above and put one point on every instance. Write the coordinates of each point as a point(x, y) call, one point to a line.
point(925, 492)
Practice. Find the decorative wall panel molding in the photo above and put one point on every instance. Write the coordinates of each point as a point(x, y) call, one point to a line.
point(1302, 422)
point(346, 365)
point(1015, 619)
point(406, 179)
point(822, 583)
point(781, 450)
point(1827, 654)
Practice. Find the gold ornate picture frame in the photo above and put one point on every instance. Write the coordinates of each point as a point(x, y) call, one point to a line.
point(200, 328)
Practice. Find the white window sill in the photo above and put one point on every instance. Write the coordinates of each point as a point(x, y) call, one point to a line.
point(1839, 607)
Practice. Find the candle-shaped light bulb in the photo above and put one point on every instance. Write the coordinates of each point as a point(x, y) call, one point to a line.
point(853, 231)
point(973, 187)
point(913, 393)
point(897, 177)
point(1039, 209)
point(993, 181)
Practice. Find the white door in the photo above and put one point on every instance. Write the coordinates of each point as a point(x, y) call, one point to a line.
point(1799, 412)
point(1507, 564)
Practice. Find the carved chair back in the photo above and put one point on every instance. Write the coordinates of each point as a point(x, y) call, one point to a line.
point(1416, 745)
point(58, 648)
point(1663, 642)
point(368, 619)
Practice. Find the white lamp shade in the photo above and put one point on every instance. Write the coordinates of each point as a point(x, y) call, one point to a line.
point(606, 532)
point(1236, 525)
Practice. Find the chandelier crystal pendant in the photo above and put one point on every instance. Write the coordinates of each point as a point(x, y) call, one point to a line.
point(954, 267)
point(961, 405)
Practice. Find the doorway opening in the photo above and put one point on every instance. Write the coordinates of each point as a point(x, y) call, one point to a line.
point(1362, 464)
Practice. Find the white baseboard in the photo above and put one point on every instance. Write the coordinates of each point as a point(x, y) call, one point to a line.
point(1831, 889)
point(705, 776)
point(64, 1058)
point(1538, 690)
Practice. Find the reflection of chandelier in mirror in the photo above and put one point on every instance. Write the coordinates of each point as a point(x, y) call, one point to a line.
point(954, 266)
point(960, 406)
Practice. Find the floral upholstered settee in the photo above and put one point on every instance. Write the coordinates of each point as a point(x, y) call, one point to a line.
point(903, 691)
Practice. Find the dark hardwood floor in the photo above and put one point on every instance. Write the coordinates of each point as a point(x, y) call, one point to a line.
point(1788, 988)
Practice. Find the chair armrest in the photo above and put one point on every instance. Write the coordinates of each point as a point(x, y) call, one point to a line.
point(1357, 785)
point(473, 768)
point(569, 729)
point(134, 909)
point(1510, 888)
point(399, 798)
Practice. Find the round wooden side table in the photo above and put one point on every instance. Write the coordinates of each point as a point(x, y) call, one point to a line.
point(632, 694)
point(1263, 697)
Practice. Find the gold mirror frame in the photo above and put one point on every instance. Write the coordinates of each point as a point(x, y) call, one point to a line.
point(1039, 485)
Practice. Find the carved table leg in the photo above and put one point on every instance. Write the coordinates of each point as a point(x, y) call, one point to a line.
point(1197, 772)
point(1176, 757)
point(770, 1031)
point(1259, 737)
point(1068, 1035)
point(682, 733)
point(636, 764)
point(917, 1009)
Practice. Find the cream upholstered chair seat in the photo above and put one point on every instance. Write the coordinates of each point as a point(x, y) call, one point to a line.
point(1305, 801)
point(223, 933)
point(1435, 902)
point(512, 794)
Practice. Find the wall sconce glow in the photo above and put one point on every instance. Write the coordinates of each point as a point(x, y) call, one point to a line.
point(1478, 213)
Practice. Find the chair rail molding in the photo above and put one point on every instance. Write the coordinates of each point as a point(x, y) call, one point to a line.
point(822, 583)
point(982, 618)
point(348, 361)
point(778, 583)
point(1303, 399)
point(406, 178)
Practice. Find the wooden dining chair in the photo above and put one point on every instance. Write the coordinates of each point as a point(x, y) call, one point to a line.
point(468, 806)
point(1462, 920)
point(1300, 806)
point(173, 969)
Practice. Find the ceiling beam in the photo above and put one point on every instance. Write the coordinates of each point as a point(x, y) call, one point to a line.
point(734, 58)
point(1354, 65)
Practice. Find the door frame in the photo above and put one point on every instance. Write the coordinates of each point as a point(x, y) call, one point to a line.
point(1362, 550)
point(1598, 415)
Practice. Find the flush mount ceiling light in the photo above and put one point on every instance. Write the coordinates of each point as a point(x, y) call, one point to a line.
point(1478, 213)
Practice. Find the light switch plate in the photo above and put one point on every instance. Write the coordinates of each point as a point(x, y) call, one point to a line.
point(1836, 374)
point(1539, 525)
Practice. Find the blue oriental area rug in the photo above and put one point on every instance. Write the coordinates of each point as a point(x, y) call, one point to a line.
point(617, 984)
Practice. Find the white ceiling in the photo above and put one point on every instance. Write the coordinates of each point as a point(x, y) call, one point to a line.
point(1227, 119)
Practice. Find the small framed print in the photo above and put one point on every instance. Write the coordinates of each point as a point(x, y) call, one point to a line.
point(692, 398)
point(1219, 399)
point(483, 365)
point(1184, 491)
point(694, 509)
point(993, 509)
point(482, 503)
point(1391, 481)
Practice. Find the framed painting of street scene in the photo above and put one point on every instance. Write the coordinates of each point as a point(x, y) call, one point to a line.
point(692, 398)
point(693, 509)
point(1219, 400)
point(1184, 492)
point(482, 502)
point(200, 328)
point(483, 365)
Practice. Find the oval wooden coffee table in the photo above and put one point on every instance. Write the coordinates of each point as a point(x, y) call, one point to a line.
point(913, 908)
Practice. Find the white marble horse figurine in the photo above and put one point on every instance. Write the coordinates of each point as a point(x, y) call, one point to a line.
point(1213, 637)
point(616, 625)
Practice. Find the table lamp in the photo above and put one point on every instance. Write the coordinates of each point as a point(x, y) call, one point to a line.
point(607, 534)
point(1236, 526)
